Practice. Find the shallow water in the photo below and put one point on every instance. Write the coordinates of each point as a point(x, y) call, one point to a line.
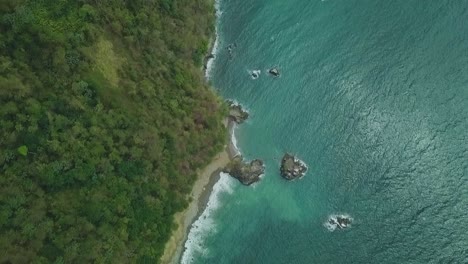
point(373, 96)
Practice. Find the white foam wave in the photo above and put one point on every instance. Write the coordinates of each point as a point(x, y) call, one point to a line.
point(305, 165)
point(209, 63)
point(331, 227)
point(234, 102)
point(254, 74)
point(205, 224)
point(234, 140)
point(214, 51)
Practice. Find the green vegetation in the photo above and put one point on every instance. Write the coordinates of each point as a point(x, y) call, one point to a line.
point(105, 118)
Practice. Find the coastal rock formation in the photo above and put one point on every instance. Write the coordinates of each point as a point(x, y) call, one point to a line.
point(338, 221)
point(207, 59)
point(236, 112)
point(274, 71)
point(291, 167)
point(246, 173)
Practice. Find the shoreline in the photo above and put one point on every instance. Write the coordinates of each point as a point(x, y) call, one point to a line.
point(200, 195)
point(213, 44)
point(207, 177)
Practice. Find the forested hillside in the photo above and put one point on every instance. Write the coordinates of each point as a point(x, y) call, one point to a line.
point(105, 118)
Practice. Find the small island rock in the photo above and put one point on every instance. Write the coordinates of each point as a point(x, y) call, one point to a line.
point(246, 173)
point(237, 113)
point(275, 72)
point(292, 168)
point(339, 221)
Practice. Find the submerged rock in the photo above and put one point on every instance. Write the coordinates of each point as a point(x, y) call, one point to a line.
point(292, 168)
point(230, 48)
point(274, 71)
point(236, 112)
point(255, 74)
point(246, 173)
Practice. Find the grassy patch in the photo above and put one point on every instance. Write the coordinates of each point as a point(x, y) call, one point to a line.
point(107, 62)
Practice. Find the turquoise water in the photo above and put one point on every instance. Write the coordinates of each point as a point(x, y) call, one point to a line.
point(373, 96)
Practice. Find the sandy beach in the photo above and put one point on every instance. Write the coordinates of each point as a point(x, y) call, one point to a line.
point(200, 194)
point(201, 191)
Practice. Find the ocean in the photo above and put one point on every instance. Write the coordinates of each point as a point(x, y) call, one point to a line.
point(373, 97)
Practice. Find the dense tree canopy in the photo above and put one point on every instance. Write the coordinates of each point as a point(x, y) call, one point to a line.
point(104, 120)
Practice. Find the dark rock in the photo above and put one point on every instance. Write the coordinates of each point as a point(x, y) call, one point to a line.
point(246, 173)
point(292, 168)
point(343, 221)
point(275, 72)
point(236, 112)
point(207, 59)
point(339, 221)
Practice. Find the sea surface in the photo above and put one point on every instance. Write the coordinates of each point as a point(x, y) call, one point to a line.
point(373, 96)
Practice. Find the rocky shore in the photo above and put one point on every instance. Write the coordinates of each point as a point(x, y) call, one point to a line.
point(292, 168)
point(228, 160)
point(206, 60)
point(236, 112)
point(246, 173)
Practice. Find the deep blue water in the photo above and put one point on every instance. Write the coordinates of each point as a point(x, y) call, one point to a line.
point(373, 96)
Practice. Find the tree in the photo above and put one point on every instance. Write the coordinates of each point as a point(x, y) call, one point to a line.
point(95, 164)
point(23, 150)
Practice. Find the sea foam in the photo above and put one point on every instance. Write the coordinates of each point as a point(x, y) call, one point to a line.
point(214, 51)
point(254, 74)
point(234, 140)
point(205, 224)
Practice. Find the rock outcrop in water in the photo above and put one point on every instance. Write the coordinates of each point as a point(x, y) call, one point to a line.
point(237, 113)
point(274, 71)
point(246, 173)
point(338, 221)
point(292, 168)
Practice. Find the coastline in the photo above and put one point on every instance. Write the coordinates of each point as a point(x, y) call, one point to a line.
point(206, 179)
point(200, 194)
